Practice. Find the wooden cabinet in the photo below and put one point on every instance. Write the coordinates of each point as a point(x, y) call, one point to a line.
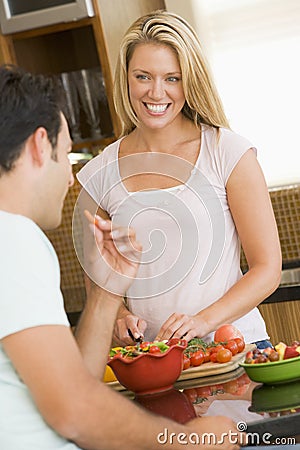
point(86, 44)
point(282, 320)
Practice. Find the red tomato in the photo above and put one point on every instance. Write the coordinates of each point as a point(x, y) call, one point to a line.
point(206, 356)
point(240, 343)
point(226, 332)
point(197, 358)
point(224, 356)
point(186, 362)
point(154, 349)
point(213, 357)
point(144, 345)
point(216, 348)
point(232, 346)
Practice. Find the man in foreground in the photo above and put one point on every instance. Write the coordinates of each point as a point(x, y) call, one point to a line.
point(51, 396)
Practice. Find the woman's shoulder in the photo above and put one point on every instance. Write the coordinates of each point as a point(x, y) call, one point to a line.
point(222, 134)
point(223, 149)
point(105, 157)
point(109, 153)
point(225, 139)
point(231, 138)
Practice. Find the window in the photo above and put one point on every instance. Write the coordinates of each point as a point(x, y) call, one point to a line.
point(254, 50)
point(253, 47)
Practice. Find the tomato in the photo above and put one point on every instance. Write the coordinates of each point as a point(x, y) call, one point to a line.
point(213, 357)
point(224, 355)
point(197, 358)
point(186, 362)
point(226, 332)
point(240, 343)
point(232, 346)
point(154, 349)
point(206, 356)
point(215, 348)
point(144, 345)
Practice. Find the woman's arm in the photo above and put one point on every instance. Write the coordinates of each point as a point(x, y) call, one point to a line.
point(252, 212)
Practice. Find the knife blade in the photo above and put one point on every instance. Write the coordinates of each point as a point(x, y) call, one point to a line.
point(138, 340)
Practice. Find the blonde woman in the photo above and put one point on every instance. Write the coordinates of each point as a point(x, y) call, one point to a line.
point(191, 188)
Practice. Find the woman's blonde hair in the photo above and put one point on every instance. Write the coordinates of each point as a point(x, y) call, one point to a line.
point(203, 104)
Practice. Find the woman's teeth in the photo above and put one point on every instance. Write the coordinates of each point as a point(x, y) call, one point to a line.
point(156, 108)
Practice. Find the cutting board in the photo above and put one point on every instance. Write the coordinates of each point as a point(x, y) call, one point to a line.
point(210, 368)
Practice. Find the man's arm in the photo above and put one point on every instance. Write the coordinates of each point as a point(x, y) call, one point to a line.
point(81, 408)
point(94, 330)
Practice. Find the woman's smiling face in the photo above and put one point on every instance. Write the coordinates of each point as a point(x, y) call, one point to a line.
point(155, 85)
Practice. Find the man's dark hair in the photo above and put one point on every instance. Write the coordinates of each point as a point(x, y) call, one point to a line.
point(27, 102)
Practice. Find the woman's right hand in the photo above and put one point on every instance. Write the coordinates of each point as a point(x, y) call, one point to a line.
point(127, 322)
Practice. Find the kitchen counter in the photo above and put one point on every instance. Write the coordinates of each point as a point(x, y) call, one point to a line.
point(268, 414)
point(285, 293)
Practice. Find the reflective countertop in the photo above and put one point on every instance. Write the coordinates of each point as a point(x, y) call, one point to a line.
point(269, 414)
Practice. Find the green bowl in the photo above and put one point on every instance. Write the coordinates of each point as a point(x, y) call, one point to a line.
point(282, 397)
point(274, 372)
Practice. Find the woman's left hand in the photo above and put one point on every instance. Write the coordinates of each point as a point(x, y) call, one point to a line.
point(182, 326)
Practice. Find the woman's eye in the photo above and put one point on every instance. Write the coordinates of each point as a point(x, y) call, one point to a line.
point(142, 77)
point(173, 79)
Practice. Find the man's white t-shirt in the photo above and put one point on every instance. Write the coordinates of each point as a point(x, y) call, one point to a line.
point(30, 296)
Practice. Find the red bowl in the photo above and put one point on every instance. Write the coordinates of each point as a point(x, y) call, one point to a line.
point(171, 403)
point(149, 372)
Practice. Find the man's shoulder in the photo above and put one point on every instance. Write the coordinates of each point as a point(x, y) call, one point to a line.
point(21, 237)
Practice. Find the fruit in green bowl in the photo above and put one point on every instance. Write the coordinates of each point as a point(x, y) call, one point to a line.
point(288, 351)
point(274, 372)
point(274, 365)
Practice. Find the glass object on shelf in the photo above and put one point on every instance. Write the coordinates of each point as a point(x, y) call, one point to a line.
point(87, 106)
point(90, 87)
point(73, 106)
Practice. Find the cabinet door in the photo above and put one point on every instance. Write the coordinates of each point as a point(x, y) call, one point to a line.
point(86, 45)
point(282, 320)
point(116, 17)
point(74, 53)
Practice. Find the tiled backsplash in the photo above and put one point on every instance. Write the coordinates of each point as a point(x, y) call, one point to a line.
point(72, 279)
point(286, 206)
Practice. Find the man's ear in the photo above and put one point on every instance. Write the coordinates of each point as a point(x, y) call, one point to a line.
point(39, 146)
